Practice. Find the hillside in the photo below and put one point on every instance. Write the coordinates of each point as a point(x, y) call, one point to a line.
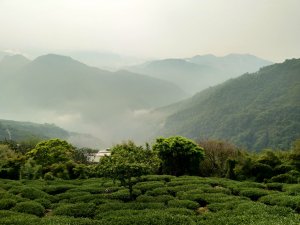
point(60, 90)
point(22, 131)
point(200, 72)
point(256, 110)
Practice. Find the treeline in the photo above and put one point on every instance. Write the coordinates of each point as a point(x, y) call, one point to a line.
point(57, 159)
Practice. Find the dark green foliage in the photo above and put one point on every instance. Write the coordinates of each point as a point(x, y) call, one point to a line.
point(181, 200)
point(44, 202)
point(52, 151)
point(15, 218)
point(293, 189)
point(30, 207)
point(284, 178)
point(57, 189)
point(7, 203)
point(282, 200)
point(128, 161)
point(76, 210)
point(274, 186)
point(28, 192)
point(179, 155)
point(253, 193)
point(183, 204)
point(157, 218)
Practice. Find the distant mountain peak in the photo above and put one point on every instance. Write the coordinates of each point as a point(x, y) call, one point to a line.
point(51, 59)
point(15, 57)
point(14, 61)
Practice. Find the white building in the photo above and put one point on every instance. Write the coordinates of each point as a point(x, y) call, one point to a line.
point(96, 157)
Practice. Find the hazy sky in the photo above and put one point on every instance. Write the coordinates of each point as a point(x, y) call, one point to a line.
point(153, 28)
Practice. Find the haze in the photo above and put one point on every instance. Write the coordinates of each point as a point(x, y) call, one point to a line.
point(152, 28)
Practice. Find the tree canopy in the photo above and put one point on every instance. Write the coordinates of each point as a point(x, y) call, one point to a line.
point(179, 155)
point(52, 151)
point(126, 161)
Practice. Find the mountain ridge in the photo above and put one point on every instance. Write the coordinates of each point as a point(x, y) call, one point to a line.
point(264, 113)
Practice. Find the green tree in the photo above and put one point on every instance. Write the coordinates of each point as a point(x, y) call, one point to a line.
point(52, 151)
point(295, 154)
point(179, 155)
point(30, 170)
point(127, 161)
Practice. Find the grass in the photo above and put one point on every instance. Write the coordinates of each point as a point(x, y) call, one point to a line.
point(158, 200)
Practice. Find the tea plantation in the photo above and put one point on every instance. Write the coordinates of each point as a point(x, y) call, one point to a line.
point(158, 199)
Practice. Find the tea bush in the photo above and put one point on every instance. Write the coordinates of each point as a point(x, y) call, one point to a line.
point(30, 207)
point(7, 203)
point(253, 193)
point(183, 204)
point(76, 210)
point(28, 192)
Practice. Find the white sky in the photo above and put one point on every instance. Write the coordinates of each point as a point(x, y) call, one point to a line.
point(154, 28)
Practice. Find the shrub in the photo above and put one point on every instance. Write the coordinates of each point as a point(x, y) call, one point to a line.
point(165, 178)
point(145, 186)
point(180, 211)
point(157, 218)
point(292, 189)
point(160, 191)
point(284, 178)
point(49, 176)
point(57, 189)
point(15, 218)
point(132, 205)
point(30, 207)
point(183, 204)
point(274, 186)
point(65, 220)
point(282, 200)
point(253, 193)
point(193, 197)
point(44, 202)
point(28, 192)
point(76, 210)
point(7, 203)
point(283, 168)
point(68, 195)
point(124, 195)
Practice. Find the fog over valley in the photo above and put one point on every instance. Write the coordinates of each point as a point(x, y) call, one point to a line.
point(118, 70)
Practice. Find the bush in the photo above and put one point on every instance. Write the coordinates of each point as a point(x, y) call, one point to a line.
point(28, 192)
point(76, 210)
point(274, 186)
point(15, 218)
point(292, 189)
point(282, 200)
point(157, 218)
point(124, 195)
point(57, 189)
point(160, 191)
point(284, 178)
point(165, 178)
point(254, 193)
point(132, 205)
point(145, 186)
point(183, 204)
point(180, 211)
point(283, 168)
point(7, 204)
point(44, 202)
point(30, 207)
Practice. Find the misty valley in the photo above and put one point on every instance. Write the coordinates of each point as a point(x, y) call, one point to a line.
point(231, 157)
